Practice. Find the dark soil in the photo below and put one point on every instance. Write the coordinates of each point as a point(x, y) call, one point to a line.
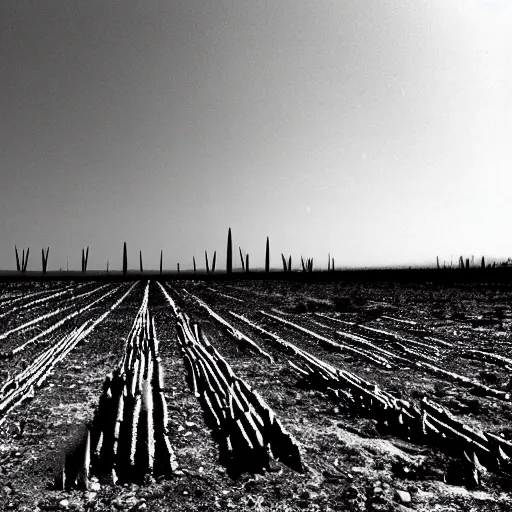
point(350, 464)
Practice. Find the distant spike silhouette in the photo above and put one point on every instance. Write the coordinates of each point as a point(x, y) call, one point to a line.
point(241, 258)
point(267, 257)
point(229, 255)
point(18, 266)
point(125, 260)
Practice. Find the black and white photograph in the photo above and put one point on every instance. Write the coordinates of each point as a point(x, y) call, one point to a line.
point(256, 255)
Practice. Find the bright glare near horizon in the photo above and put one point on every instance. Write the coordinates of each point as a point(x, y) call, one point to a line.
point(378, 132)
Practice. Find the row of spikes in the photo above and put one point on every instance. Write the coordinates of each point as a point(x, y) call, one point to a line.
point(22, 386)
point(406, 419)
point(249, 434)
point(428, 422)
point(128, 436)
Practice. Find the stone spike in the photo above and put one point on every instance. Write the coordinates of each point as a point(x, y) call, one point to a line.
point(147, 397)
point(134, 428)
point(83, 473)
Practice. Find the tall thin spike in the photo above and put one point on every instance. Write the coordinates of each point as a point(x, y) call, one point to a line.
point(229, 255)
point(284, 262)
point(247, 262)
point(161, 260)
point(18, 267)
point(290, 263)
point(267, 257)
point(241, 258)
point(140, 261)
point(206, 260)
point(214, 260)
point(194, 261)
point(125, 260)
point(26, 260)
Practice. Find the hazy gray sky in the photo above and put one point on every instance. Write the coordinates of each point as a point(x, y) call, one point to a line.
point(378, 131)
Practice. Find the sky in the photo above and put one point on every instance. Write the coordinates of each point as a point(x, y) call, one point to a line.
point(376, 131)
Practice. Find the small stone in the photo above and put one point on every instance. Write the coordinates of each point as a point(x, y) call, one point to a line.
point(95, 486)
point(403, 508)
point(357, 469)
point(403, 496)
point(64, 503)
point(7, 490)
point(143, 506)
point(185, 493)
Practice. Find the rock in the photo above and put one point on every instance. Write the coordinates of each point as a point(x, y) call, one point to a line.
point(7, 490)
point(402, 508)
point(64, 503)
point(250, 484)
point(119, 504)
point(95, 486)
point(402, 496)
